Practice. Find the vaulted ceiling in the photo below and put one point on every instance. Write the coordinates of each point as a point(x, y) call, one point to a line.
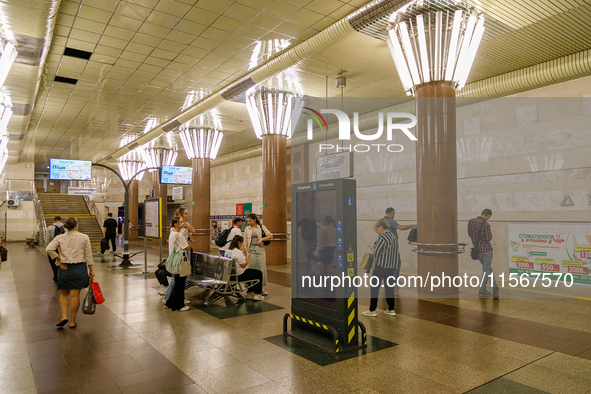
point(112, 68)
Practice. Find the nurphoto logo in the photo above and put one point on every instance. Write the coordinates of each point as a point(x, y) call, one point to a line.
point(345, 128)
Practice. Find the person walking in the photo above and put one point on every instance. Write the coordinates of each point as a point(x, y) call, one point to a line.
point(243, 271)
point(255, 234)
point(57, 228)
point(73, 253)
point(308, 234)
point(327, 244)
point(236, 230)
point(177, 243)
point(386, 263)
point(480, 234)
point(110, 232)
point(394, 226)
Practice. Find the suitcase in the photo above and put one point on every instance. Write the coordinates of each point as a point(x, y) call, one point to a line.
point(104, 245)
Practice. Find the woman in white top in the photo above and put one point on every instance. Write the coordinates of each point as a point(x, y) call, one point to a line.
point(244, 273)
point(73, 253)
point(185, 230)
point(177, 243)
point(254, 245)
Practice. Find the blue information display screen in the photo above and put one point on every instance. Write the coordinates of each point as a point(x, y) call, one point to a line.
point(172, 175)
point(70, 170)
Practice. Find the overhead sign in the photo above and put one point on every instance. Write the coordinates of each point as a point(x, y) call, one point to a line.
point(338, 165)
point(70, 170)
point(172, 175)
point(551, 248)
point(82, 191)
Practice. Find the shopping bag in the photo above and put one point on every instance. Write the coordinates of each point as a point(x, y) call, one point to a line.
point(365, 261)
point(89, 303)
point(184, 266)
point(98, 295)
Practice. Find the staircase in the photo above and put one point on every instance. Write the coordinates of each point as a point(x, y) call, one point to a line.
point(64, 205)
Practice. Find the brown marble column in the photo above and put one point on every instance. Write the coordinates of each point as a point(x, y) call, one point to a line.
point(133, 209)
point(161, 191)
point(275, 196)
point(201, 205)
point(437, 191)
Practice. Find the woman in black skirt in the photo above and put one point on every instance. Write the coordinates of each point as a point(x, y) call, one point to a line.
point(73, 254)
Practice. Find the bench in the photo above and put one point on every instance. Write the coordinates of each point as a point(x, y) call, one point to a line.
point(218, 275)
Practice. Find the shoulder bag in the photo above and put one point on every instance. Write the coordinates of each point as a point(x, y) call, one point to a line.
point(264, 235)
point(173, 260)
point(4, 253)
point(184, 265)
point(474, 252)
point(89, 303)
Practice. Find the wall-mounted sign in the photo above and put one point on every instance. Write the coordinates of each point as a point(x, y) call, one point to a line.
point(70, 170)
point(152, 218)
point(82, 191)
point(178, 193)
point(338, 165)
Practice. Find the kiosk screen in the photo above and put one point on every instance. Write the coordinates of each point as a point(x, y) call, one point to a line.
point(316, 246)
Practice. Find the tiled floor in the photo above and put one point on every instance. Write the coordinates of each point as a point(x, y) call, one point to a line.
point(133, 345)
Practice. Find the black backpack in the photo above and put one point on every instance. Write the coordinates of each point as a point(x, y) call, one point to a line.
point(221, 239)
point(58, 231)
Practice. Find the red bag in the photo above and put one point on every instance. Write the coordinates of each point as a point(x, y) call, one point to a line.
point(98, 296)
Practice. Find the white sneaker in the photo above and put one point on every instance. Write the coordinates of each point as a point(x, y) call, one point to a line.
point(187, 302)
point(185, 308)
point(163, 301)
point(390, 312)
point(165, 307)
point(369, 314)
point(258, 297)
point(162, 290)
point(249, 296)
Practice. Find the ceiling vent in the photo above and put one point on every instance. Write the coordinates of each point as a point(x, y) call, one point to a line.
point(77, 53)
point(71, 81)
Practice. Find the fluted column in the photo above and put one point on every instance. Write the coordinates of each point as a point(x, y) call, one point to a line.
point(275, 196)
point(133, 209)
point(201, 207)
point(437, 184)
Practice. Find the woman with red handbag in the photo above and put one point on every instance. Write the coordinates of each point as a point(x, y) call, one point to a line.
point(73, 253)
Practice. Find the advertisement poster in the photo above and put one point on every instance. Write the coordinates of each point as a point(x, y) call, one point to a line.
point(152, 218)
point(70, 170)
point(551, 248)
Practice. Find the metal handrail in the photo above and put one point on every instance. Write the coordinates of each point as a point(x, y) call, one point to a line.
point(39, 215)
point(94, 211)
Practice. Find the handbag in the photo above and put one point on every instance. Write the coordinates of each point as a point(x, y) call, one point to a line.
point(474, 251)
point(365, 261)
point(98, 295)
point(174, 259)
point(412, 236)
point(264, 235)
point(89, 303)
point(184, 266)
point(4, 253)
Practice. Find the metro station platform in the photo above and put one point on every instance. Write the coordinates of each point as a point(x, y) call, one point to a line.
point(133, 345)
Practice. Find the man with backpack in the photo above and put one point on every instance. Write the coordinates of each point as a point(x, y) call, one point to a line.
point(480, 234)
point(57, 228)
point(223, 240)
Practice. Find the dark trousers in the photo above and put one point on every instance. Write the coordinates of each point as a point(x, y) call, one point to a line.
point(162, 276)
point(251, 274)
point(383, 274)
point(177, 298)
point(54, 268)
point(112, 238)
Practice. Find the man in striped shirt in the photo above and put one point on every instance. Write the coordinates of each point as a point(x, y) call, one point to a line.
point(480, 234)
point(386, 263)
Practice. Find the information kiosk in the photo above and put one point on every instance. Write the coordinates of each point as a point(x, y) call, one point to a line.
point(324, 252)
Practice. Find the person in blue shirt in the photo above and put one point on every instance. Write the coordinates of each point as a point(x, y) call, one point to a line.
point(390, 212)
